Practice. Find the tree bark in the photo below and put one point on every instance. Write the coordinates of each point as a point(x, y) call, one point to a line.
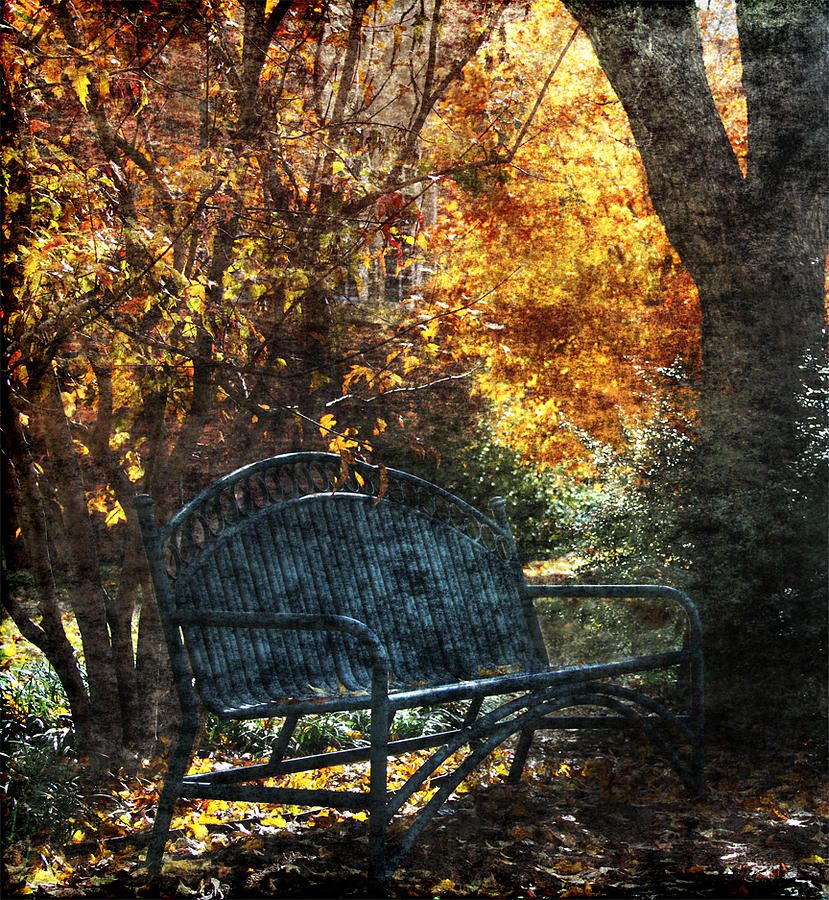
point(755, 246)
point(88, 597)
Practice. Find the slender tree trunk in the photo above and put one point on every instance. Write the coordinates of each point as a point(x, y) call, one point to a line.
point(49, 635)
point(83, 577)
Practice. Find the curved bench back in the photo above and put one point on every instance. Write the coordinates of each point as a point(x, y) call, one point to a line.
point(438, 582)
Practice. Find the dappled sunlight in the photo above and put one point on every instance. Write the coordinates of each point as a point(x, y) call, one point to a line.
point(587, 819)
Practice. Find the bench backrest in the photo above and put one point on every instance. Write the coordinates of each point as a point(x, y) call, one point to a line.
point(439, 582)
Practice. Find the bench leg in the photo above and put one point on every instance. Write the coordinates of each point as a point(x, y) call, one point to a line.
point(169, 794)
point(522, 749)
point(470, 717)
point(472, 711)
point(378, 783)
point(377, 849)
point(282, 741)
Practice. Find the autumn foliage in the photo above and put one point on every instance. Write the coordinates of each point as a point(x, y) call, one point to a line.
point(581, 292)
point(235, 227)
point(199, 202)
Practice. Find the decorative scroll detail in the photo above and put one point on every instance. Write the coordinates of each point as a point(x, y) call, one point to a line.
point(247, 492)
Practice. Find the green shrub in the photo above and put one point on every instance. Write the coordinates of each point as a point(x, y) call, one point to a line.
point(340, 730)
point(578, 631)
point(242, 737)
point(39, 781)
point(316, 734)
point(635, 526)
point(547, 507)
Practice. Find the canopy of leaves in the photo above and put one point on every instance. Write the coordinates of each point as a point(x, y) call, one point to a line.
point(580, 291)
point(205, 189)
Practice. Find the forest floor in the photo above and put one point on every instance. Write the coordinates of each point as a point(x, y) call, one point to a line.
point(594, 816)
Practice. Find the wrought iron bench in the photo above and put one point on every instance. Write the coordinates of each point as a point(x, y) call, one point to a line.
point(286, 591)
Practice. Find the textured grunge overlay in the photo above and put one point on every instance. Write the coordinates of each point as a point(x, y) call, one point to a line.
point(569, 252)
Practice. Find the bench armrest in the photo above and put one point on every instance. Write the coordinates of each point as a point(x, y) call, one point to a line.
point(297, 622)
point(625, 592)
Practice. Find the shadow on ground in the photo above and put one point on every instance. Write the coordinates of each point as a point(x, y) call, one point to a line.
point(598, 819)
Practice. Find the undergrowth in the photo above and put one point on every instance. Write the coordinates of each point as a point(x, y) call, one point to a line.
point(41, 784)
point(38, 787)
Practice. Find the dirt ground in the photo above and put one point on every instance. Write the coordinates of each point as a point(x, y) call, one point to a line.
point(600, 818)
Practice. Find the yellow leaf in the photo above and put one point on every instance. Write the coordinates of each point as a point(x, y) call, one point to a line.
point(568, 867)
point(44, 876)
point(68, 401)
point(445, 885)
point(318, 380)
point(96, 503)
point(327, 422)
point(274, 821)
point(80, 81)
point(15, 200)
point(115, 515)
point(813, 860)
point(197, 830)
point(135, 471)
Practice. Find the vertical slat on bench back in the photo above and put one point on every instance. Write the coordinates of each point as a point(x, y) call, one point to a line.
point(437, 584)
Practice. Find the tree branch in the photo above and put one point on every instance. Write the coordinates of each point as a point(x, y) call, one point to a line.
point(258, 33)
point(405, 390)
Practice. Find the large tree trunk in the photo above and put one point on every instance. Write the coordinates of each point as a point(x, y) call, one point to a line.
point(755, 246)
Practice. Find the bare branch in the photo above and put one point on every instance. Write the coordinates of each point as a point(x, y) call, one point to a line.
point(407, 389)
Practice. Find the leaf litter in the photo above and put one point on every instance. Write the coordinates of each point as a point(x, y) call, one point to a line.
point(592, 817)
